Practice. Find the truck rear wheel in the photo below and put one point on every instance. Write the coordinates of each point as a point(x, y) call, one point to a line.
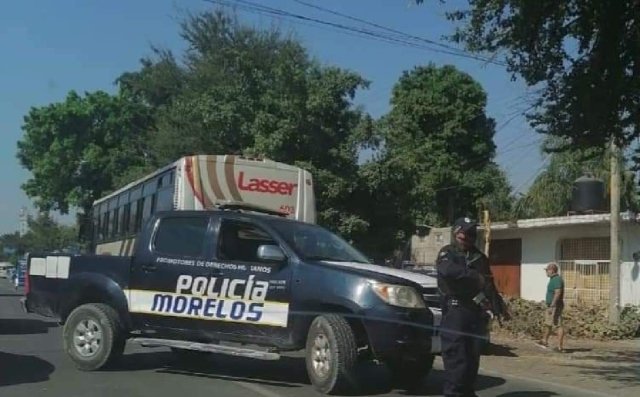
point(331, 355)
point(93, 336)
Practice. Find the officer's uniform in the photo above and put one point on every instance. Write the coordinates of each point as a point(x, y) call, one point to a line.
point(464, 310)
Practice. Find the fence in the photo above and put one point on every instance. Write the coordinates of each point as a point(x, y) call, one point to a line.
point(585, 281)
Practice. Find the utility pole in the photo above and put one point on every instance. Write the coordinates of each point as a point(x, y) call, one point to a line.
point(614, 265)
point(487, 232)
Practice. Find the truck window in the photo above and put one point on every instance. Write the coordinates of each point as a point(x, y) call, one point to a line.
point(181, 236)
point(239, 241)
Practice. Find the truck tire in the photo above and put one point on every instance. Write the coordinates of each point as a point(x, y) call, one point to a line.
point(410, 374)
point(93, 336)
point(331, 355)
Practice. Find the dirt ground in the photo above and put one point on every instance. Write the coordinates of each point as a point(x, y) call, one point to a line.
point(612, 367)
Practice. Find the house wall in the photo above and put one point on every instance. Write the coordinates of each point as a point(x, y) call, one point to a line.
point(541, 245)
point(425, 250)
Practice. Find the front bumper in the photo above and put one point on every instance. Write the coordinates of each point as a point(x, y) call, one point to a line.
point(395, 332)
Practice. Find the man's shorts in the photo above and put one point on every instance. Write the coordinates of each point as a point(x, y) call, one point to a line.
point(553, 318)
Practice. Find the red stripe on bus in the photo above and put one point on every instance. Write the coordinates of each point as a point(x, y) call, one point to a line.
point(189, 169)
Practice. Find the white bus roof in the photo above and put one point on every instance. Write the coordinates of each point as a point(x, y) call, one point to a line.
point(265, 162)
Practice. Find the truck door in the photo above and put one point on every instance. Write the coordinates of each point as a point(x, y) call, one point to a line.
point(255, 293)
point(164, 270)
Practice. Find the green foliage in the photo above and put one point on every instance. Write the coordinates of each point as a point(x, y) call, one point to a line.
point(581, 54)
point(589, 321)
point(257, 92)
point(438, 136)
point(242, 90)
point(44, 235)
point(551, 192)
point(76, 148)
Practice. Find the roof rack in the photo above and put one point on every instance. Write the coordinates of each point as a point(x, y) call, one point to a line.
point(230, 205)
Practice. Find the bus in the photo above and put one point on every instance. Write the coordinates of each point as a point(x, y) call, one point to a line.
point(199, 182)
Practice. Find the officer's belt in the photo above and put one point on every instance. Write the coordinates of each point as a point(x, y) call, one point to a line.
point(466, 302)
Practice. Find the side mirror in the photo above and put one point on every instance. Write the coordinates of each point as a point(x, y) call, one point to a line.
point(636, 256)
point(271, 253)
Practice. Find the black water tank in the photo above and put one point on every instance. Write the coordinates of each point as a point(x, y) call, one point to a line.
point(588, 195)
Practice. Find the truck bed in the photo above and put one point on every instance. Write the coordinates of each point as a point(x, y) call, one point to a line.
point(56, 282)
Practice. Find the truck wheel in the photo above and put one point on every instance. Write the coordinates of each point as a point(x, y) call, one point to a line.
point(94, 336)
point(331, 354)
point(410, 374)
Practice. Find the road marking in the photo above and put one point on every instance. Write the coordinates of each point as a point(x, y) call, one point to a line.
point(545, 383)
point(258, 389)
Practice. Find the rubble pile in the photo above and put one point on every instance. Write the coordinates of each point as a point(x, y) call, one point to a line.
point(584, 320)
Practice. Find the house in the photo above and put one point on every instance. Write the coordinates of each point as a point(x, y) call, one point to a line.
point(424, 249)
point(579, 244)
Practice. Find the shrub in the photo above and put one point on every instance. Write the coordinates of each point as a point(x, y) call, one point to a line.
point(588, 321)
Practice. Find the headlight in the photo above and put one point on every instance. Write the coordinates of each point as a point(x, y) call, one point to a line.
point(398, 295)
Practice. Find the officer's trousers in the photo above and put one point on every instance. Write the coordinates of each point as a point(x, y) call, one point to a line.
point(461, 329)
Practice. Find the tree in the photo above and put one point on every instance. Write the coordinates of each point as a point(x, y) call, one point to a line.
point(551, 192)
point(77, 148)
point(46, 235)
point(242, 90)
point(436, 161)
point(581, 54)
point(12, 243)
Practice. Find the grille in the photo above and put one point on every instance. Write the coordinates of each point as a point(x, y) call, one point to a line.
point(431, 297)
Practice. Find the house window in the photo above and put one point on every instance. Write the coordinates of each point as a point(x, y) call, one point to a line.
point(584, 267)
point(585, 248)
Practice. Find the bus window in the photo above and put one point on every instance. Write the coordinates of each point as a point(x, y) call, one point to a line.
point(126, 219)
point(154, 203)
point(136, 193)
point(106, 225)
point(96, 227)
point(165, 199)
point(116, 223)
point(150, 188)
point(139, 209)
point(133, 217)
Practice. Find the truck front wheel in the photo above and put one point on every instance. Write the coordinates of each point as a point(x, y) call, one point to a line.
point(93, 336)
point(331, 354)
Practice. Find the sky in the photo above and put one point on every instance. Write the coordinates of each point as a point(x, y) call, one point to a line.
point(52, 47)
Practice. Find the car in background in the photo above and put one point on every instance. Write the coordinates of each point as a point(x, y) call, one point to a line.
point(5, 270)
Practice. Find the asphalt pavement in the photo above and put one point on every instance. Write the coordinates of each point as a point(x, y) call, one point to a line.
point(33, 364)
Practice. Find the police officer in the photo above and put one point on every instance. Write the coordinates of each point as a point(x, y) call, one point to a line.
point(469, 298)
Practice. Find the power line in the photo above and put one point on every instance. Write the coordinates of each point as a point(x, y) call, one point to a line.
point(361, 32)
point(399, 33)
point(535, 175)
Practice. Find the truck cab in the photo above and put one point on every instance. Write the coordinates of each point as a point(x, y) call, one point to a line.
point(236, 282)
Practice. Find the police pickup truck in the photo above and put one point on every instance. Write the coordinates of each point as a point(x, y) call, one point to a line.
point(244, 284)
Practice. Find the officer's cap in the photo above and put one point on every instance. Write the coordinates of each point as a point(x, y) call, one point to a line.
point(464, 225)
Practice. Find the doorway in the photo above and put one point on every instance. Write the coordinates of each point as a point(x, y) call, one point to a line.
point(505, 259)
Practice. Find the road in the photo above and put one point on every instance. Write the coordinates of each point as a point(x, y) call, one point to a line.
point(32, 364)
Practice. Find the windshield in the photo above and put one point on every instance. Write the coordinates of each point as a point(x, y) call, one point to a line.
point(312, 242)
